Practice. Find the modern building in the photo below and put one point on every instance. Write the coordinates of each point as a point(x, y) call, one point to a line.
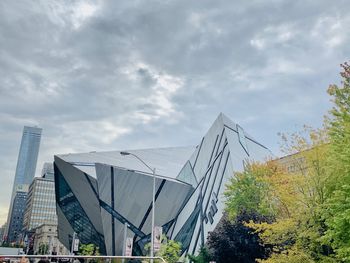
point(16, 222)
point(48, 171)
point(41, 203)
point(98, 193)
point(26, 164)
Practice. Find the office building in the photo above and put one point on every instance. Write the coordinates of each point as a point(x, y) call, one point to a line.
point(26, 164)
point(98, 193)
point(41, 203)
point(16, 222)
point(28, 155)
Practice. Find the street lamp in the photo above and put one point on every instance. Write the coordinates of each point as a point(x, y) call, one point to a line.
point(153, 170)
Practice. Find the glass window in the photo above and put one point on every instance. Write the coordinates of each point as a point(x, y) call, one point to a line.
point(242, 139)
point(185, 234)
point(75, 214)
point(186, 175)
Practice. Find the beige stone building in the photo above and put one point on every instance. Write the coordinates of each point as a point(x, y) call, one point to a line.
point(46, 240)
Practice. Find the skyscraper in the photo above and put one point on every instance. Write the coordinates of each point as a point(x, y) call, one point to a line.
point(26, 163)
point(28, 155)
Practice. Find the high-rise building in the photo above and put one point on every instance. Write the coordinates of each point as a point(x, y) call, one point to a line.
point(26, 165)
point(28, 155)
point(41, 203)
point(40, 217)
point(16, 222)
point(47, 171)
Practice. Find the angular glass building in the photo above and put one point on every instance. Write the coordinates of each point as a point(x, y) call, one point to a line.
point(98, 193)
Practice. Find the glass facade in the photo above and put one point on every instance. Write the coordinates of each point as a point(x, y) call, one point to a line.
point(242, 139)
point(16, 222)
point(184, 236)
point(189, 200)
point(75, 214)
point(41, 204)
point(26, 163)
point(186, 175)
point(28, 155)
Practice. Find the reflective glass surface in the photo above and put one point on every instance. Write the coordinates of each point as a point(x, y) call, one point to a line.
point(75, 214)
point(242, 138)
point(185, 234)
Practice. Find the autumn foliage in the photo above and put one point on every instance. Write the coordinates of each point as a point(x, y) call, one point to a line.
point(303, 198)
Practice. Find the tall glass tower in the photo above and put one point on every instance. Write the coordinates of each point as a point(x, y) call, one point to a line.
point(28, 155)
point(26, 164)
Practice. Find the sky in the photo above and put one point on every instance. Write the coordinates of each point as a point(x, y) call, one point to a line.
point(109, 75)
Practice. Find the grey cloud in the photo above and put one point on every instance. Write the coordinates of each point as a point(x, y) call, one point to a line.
point(102, 75)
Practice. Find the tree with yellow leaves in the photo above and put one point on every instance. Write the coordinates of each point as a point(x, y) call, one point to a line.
point(293, 197)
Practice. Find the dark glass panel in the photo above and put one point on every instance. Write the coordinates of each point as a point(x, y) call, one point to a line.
point(186, 232)
point(75, 214)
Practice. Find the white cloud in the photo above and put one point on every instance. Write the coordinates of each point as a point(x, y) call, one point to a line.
point(331, 31)
point(81, 12)
point(258, 43)
point(273, 35)
point(163, 88)
point(96, 132)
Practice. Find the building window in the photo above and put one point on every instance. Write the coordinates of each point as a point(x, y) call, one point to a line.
point(242, 139)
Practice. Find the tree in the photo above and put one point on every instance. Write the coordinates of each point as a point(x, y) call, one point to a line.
point(289, 256)
point(233, 241)
point(43, 249)
point(301, 194)
point(248, 191)
point(202, 257)
point(309, 201)
point(170, 250)
point(336, 210)
point(89, 250)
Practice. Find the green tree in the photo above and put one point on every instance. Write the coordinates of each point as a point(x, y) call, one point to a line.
point(336, 211)
point(292, 255)
point(202, 257)
point(248, 191)
point(89, 250)
point(300, 196)
point(170, 250)
point(310, 203)
point(294, 200)
point(43, 249)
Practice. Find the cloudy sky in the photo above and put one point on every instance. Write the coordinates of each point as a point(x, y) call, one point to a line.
point(104, 75)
